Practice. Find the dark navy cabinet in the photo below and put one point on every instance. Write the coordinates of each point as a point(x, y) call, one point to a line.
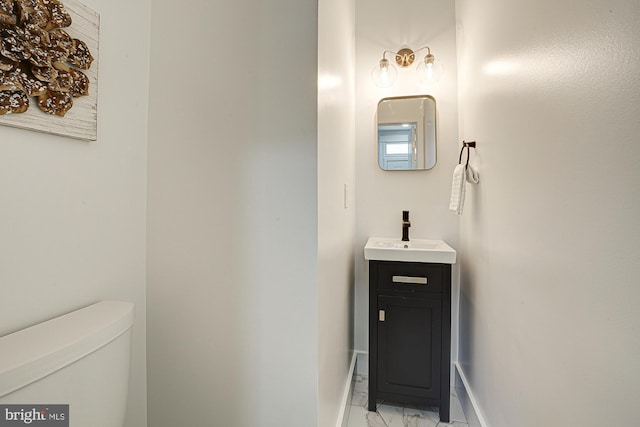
point(410, 334)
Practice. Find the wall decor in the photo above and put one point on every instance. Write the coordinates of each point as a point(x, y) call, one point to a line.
point(49, 67)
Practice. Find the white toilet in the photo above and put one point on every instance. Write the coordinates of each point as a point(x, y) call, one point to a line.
point(80, 359)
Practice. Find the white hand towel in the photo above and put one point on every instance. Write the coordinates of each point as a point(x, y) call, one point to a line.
point(472, 175)
point(457, 190)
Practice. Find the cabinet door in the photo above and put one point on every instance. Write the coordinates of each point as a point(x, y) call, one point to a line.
point(409, 346)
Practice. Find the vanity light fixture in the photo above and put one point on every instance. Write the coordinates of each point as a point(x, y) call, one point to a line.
point(429, 70)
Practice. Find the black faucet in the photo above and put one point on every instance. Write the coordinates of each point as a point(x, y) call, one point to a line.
point(405, 226)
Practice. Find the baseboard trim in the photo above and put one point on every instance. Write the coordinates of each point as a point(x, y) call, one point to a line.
point(467, 399)
point(362, 364)
point(345, 405)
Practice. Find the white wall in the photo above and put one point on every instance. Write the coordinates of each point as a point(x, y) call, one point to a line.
point(549, 318)
point(233, 214)
point(336, 168)
point(381, 195)
point(72, 218)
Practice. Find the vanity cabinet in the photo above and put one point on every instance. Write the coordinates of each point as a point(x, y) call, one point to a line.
point(410, 334)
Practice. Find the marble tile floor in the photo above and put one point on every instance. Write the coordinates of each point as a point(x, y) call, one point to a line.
point(389, 415)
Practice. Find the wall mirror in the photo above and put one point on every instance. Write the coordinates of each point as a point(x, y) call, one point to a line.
point(406, 133)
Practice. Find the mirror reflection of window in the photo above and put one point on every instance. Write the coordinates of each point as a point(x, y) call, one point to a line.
point(397, 146)
point(406, 133)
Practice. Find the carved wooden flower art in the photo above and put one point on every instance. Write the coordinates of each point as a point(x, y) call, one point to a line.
point(39, 59)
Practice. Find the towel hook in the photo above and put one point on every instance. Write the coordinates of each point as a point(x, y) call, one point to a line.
point(467, 145)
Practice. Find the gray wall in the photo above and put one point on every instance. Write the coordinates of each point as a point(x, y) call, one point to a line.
point(548, 315)
point(233, 215)
point(336, 222)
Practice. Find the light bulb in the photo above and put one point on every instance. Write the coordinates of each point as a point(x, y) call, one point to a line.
point(430, 70)
point(384, 74)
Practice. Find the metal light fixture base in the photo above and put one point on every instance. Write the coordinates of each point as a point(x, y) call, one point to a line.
point(405, 57)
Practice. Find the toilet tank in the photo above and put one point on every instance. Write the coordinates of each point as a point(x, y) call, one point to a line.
point(80, 359)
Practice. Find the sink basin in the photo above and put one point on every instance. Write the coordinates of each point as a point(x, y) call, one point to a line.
point(416, 250)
